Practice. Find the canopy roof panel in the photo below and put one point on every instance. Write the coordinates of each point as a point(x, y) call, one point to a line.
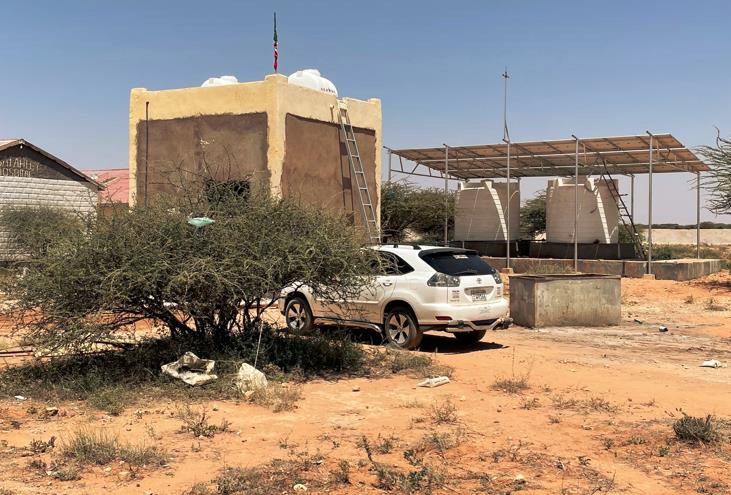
point(620, 155)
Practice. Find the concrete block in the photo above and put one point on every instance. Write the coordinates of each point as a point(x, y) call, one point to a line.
point(565, 300)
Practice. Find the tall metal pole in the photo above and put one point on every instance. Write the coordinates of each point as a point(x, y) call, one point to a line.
point(506, 139)
point(446, 195)
point(649, 211)
point(698, 215)
point(576, 206)
point(507, 213)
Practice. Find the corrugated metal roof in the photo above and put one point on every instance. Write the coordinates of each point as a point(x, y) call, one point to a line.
point(115, 182)
point(621, 155)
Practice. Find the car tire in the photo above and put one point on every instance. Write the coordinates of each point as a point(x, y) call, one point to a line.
point(401, 329)
point(470, 337)
point(298, 315)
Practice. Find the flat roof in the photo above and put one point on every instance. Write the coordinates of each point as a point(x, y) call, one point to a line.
point(622, 155)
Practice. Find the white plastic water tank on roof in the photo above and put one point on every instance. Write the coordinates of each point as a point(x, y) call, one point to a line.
point(311, 78)
point(219, 81)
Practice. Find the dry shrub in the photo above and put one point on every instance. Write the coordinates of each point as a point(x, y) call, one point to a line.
point(696, 430)
point(511, 385)
point(98, 447)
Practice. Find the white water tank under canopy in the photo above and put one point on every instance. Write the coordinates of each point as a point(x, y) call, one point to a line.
point(598, 214)
point(219, 81)
point(481, 211)
point(311, 78)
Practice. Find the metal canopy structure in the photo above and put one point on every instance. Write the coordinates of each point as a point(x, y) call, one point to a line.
point(623, 155)
point(620, 155)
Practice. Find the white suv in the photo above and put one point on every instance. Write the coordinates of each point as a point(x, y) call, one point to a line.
point(418, 288)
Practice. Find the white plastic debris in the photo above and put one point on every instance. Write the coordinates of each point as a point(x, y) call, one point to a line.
point(711, 363)
point(20, 397)
point(662, 329)
point(191, 369)
point(249, 379)
point(434, 382)
point(299, 487)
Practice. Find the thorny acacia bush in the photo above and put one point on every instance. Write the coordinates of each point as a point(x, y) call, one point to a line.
point(718, 181)
point(35, 230)
point(420, 210)
point(210, 282)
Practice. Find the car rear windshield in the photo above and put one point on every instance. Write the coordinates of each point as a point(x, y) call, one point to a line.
point(457, 263)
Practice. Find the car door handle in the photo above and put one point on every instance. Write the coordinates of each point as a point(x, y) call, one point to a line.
point(386, 283)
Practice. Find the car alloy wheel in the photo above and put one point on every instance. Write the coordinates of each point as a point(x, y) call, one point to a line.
point(298, 315)
point(401, 328)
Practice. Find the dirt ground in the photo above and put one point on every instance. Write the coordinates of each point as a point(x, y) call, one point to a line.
point(596, 417)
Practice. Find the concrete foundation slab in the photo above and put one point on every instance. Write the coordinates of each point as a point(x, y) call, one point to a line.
point(565, 300)
point(681, 269)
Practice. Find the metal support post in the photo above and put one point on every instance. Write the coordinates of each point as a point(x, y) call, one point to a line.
point(576, 206)
point(507, 213)
point(446, 195)
point(649, 210)
point(698, 215)
point(389, 165)
point(632, 197)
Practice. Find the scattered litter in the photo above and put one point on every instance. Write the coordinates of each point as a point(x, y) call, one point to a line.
point(663, 329)
point(711, 363)
point(125, 475)
point(299, 487)
point(639, 322)
point(356, 389)
point(199, 222)
point(520, 479)
point(249, 378)
point(434, 382)
point(51, 411)
point(20, 397)
point(191, 369)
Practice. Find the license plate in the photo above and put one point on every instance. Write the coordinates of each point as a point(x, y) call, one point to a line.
point(479, 295)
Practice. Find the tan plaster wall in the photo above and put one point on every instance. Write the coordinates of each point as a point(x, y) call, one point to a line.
point(316, 169)
point(273, 96)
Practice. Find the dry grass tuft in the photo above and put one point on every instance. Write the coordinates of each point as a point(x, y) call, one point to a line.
point(696, 430)
point(98, 447)
point(196, 422)
point(278, 396)
point(444, 413)
point(512, 385)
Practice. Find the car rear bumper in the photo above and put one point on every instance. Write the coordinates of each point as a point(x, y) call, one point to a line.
point(491, 315)
point(457, 326)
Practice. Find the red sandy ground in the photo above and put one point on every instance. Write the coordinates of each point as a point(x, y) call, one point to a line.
point(645, 375)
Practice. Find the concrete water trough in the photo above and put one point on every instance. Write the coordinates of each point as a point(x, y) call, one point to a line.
point(565, 300)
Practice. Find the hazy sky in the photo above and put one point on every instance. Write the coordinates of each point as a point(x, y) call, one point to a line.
point(587, 67)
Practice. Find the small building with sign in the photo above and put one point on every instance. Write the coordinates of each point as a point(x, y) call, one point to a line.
point(32, 177)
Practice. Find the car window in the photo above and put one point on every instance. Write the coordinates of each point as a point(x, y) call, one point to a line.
point(390, 264)
point(457, 263)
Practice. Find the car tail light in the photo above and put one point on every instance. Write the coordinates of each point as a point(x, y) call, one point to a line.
point(442, 280)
